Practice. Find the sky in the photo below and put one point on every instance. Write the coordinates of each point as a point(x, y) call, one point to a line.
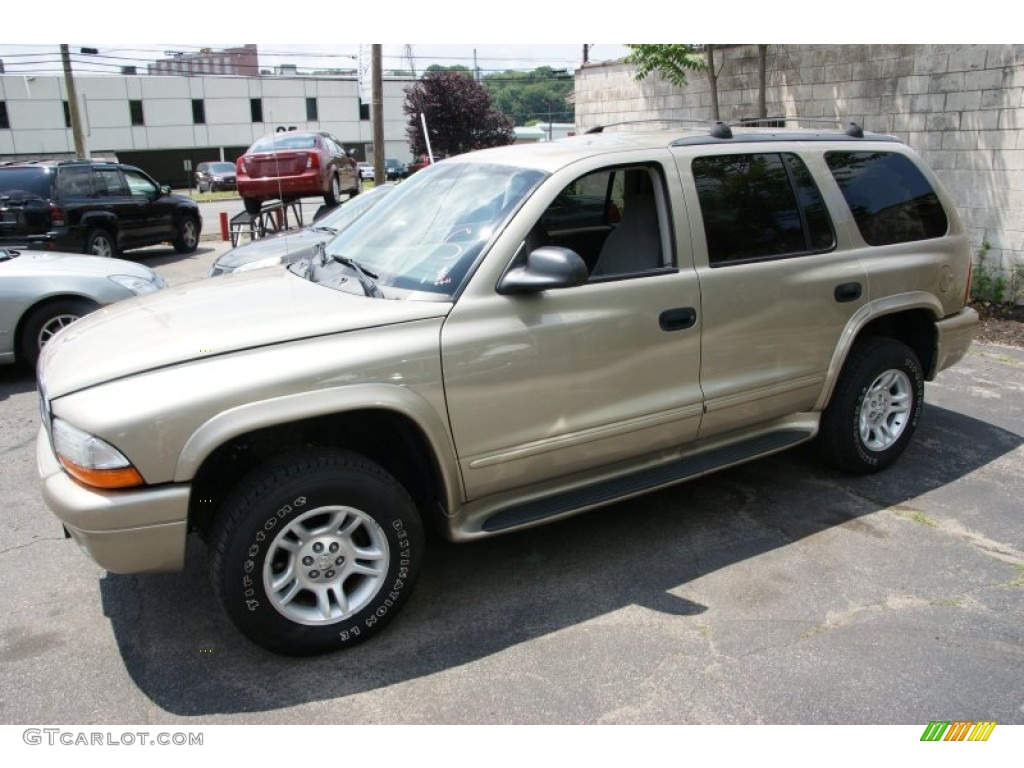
point(45, 58)
point(515, 34)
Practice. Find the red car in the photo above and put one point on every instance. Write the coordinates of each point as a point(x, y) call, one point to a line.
point(287, 166)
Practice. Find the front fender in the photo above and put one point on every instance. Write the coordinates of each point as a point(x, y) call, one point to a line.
point(306, 405)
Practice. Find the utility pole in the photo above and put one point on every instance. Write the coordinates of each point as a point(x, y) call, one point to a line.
point(586, 53)
point(376, 65)
point(76, 124)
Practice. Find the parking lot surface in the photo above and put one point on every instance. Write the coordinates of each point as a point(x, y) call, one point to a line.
point(776, 592)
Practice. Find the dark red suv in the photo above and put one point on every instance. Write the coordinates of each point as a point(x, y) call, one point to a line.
point(287, 166)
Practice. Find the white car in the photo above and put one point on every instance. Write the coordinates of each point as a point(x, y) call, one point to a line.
point(42, 292)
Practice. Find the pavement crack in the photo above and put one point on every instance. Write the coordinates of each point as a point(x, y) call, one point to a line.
point(31, 543)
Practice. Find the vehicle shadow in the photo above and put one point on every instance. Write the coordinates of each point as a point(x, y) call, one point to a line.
point(159, 256)
point(479, 599)
point(15, 380)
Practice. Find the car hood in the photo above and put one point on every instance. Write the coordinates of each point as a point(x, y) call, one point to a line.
point(46, 263)
point(208, 318)
point(293, 246)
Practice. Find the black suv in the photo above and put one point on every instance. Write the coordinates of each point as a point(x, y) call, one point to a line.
point(92, 207)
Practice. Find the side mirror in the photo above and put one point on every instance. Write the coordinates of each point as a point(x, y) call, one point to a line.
point(546, 268)
point(164, 190)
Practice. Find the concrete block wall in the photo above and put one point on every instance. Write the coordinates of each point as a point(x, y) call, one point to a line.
point(960, 106)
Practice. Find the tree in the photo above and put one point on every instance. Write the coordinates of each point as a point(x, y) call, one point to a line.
point(673, 61)
point(459, 115)
point(536, 95)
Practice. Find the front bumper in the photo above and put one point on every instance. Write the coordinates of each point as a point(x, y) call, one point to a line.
point(123, 531)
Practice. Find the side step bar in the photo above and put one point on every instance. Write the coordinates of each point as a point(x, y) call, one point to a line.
point(647, 480)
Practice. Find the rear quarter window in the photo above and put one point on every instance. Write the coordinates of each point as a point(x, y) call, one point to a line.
point(889, 197)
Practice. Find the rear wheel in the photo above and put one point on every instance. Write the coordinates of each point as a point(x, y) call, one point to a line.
point(45, 321)
point(875, 407)
point(333, 195)
point(315, 551)
point(99, 242)
point(252, 205)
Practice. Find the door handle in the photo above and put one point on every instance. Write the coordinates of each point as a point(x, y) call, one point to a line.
point(677, 319)
point(847, 292)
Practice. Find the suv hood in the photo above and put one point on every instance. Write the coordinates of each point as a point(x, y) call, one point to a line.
point(207, 318)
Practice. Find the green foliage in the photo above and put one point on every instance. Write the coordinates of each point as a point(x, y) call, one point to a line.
point(459, 115)
point(537, 95)
point(453, 68)
point(672, 61)
point(987, 284)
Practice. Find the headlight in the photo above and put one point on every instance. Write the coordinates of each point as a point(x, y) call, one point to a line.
point(90, 460)
point(139, 285)
point(269, 261)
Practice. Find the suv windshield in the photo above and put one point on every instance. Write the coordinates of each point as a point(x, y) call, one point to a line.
point(426, 235)
point(25, 183)
point(221, 168)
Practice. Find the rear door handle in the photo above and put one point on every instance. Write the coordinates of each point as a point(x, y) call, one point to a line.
point(677, 319)
point(847, 292)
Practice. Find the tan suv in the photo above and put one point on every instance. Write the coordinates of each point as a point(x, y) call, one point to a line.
point(511, 337)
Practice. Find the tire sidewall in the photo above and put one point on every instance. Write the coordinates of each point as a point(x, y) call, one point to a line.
point(241, 568)
point(893, 358)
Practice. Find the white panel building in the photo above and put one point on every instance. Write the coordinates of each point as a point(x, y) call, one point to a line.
point(161, 123)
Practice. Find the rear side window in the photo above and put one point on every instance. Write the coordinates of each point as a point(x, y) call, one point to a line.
point(75, 182)
point(891, 200)
point(760, 206)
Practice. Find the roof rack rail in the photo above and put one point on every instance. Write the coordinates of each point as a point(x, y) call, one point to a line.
point(688, 120)
point(851, 128)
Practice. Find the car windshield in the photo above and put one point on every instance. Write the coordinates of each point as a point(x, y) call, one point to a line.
point(221, 168)
point(424, 238)
point(284, 141)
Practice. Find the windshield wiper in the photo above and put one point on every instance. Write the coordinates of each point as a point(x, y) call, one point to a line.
point(332, 230)
point(366, 278)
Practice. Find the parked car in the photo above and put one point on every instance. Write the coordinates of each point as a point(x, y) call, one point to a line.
point(42, 292)
point(450, 362)
point(289, 247)
point(287, 166)
point(395, 169)
point(98, 208)
point(366, 172)
point(216, 177)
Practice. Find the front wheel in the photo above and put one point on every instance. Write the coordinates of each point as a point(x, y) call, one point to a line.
point(45, 321)
point(875, 407)
point(315, 551)
point(187, 239)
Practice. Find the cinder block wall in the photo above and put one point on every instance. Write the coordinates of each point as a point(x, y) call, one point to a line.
point(960, 106)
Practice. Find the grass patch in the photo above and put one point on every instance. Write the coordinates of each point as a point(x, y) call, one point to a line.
point(916, 516)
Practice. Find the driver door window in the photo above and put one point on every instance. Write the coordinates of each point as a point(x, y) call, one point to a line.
point(614, 219)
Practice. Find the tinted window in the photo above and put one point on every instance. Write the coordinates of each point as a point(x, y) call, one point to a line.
point(4, 120)
point(110, 183)
point(135, 107)
point(22, 183)
point(74, 182)
point(198, 111)
point(891, 200)
point(760, 206)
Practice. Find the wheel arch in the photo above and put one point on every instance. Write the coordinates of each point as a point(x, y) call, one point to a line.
point(909, 318)
point(29, 311)
point(227, 447)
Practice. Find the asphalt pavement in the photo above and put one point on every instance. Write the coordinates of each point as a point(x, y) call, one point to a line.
point(776, 592)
